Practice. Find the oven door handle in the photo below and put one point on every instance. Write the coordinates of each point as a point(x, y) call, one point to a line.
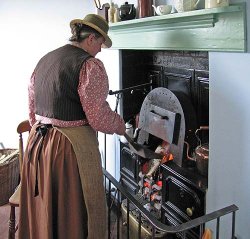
point(142, 150)
point(160, 116)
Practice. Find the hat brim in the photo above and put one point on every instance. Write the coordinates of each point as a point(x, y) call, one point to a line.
point(106, 44)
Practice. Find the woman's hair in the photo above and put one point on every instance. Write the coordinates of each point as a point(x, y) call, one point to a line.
point(81, 32)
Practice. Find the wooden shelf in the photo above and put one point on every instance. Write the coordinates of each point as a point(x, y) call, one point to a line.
point(217, 29)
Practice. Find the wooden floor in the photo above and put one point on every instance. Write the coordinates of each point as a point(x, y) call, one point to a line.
point(4, 223)
point(4, 220)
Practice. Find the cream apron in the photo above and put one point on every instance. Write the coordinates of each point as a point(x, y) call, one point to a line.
point(90, 170)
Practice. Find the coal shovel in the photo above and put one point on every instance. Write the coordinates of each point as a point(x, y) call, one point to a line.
point(142, 150)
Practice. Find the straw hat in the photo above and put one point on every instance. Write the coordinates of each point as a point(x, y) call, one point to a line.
point(96, 22)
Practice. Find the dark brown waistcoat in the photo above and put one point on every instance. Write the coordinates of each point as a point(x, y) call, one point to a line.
point(56, 83)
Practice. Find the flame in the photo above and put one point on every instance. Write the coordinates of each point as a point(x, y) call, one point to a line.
point(164, 149)
point(146, 184)
point(159, 183)
point(166, 158)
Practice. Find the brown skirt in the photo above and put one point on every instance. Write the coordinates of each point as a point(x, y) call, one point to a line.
point(55, 209)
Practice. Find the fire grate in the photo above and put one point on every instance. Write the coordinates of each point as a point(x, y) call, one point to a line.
point(147, 226)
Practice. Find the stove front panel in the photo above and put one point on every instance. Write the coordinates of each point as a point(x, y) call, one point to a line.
point(183, 197)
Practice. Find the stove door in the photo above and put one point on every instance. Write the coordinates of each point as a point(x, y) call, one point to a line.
point(129, 169)
point(182, 199)
point(161, 115)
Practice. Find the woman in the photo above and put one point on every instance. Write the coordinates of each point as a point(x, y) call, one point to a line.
point(62, 193)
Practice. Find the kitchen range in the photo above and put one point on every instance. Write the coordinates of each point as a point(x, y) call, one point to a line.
point(168, 117)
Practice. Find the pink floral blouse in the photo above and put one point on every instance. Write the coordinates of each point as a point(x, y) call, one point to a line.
point(93, 90)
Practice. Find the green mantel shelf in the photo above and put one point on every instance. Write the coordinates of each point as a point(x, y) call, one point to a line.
point(217, 29)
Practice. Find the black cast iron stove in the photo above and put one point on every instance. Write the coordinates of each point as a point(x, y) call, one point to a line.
point(172, 194)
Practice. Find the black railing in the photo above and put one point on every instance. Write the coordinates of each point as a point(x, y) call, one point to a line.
point(158, 229)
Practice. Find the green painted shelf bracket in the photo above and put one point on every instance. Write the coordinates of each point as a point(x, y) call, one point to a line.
point(217, 29)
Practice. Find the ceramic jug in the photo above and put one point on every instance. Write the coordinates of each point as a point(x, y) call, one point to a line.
point(185, 5)
point(216, 3)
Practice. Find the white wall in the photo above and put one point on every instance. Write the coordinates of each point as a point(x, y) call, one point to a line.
point(111, 60)
point(229, 163)
point(29, 29)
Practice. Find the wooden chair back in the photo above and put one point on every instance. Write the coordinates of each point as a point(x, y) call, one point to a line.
point(22, 127)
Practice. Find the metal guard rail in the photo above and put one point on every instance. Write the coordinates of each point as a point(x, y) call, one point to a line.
point(166, 229)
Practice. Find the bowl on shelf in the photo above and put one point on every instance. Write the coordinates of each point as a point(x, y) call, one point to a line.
point(162, 9)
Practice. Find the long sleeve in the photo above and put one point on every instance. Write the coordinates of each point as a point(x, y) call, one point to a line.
point(31, 101)
point(93, 91)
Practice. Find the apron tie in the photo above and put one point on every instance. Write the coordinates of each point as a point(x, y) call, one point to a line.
point(41, 131)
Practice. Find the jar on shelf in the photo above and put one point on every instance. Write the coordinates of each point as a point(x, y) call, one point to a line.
point(127, 11)
point(116, 15)
point(111, 12)
point(145, 8)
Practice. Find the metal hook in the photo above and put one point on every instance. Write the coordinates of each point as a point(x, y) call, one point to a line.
point(118, 97)
point(98, 6)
